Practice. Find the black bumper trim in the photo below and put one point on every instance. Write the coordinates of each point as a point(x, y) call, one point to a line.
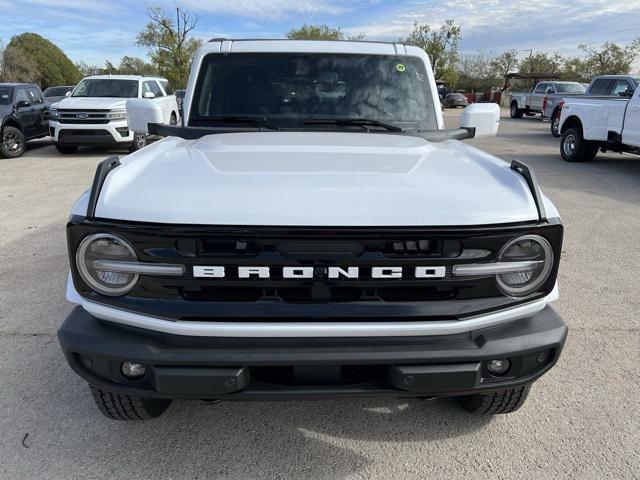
point(444, 366)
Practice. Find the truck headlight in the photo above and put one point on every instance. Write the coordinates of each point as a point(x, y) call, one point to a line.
point(116, 116)
point(101, 247)
point(53, 113)
point(535, 252)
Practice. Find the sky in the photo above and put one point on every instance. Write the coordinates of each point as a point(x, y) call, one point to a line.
point(99, 30)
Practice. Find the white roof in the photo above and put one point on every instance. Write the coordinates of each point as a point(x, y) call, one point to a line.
point(126, 77)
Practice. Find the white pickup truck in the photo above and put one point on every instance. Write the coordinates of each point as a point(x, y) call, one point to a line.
point(589, 124)
point(94, 113)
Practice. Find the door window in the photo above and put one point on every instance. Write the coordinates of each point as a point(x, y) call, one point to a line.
point(34, 96)
point(601, 87)
point(153, 87)
point(621, 86)
point(21, 96)
point(541, 88)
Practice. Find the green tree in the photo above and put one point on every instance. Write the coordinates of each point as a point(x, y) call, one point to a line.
point(442, 47)
point(503, 64)
point(30, 58)
point(87, 70)
point(136, 66)
point(608, 59)
point(320, 32)
point(169, 42)
point(542, 62)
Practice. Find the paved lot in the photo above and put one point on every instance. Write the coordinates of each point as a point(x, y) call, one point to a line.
point(582, 420)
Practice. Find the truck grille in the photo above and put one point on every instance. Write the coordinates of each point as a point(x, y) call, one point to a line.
point(83, 117)
point(316, 297)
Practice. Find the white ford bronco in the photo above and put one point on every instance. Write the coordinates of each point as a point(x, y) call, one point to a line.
point(94, 113)
point(312, 230)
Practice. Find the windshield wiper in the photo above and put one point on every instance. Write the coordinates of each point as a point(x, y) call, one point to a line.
point(362, 122)
point(256, 121)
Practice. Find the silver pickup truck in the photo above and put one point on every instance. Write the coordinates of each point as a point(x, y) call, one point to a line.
point(544, 93)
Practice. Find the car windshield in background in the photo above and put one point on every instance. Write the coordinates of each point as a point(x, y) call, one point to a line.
point(106, 87)
point(5, 96)
point(570, 88)
point(57, 91)
point(637, 80)
point(291, 88)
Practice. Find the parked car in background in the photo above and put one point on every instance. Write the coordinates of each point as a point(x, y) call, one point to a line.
point(23, 116)
point(455, 99)
point(55, 94)
point(95, 112)
point(589, 124)
point(602, 86)
point(531, 103)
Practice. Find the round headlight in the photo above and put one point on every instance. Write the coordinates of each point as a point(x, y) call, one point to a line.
point(536, 254)
point(92, 258)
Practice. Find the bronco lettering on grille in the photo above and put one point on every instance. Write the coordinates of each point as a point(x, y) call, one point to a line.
point(309, 273)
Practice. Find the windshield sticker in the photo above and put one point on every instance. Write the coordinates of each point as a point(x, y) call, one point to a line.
point(401, 67)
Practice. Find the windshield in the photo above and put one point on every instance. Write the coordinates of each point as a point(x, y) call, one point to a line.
point(291, 87)
point(57, 91)
point(570, 88)
point(5, 95)
point(636, 80)
point(106, 87)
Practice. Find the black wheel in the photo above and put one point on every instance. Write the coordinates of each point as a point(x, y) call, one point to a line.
point(174, 119)
point(574, 148)
point(67, 149)
point(503, 401)
point(13, 143)
point(139, 141)
point(514, 111)
point(555, 124)
point(118, 406)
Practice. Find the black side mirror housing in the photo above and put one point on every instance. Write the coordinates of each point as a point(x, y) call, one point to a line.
point(22, 103)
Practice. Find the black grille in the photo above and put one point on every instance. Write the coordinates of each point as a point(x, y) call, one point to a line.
point(318, 298)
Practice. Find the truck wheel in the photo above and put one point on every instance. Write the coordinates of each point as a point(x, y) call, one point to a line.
point(555, 124)
point(515, 112)
point(67, 149)
point(139, 141)
point(503, 401)
point(118, 406)
point(13, 142)
point(574, 148)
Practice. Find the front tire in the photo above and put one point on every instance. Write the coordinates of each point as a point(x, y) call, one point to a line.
point(119, 406)
point(13, 143)
point(139, 142)
point(574, 148)
point(495, 403)
point(67, 149)
point(514, 111)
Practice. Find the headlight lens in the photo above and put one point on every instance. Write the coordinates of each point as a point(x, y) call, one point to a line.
point(116, 116)
point(104, 246)
point(528, 248)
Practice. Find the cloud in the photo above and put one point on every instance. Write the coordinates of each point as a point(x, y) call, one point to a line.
point(500, 24)
point(269, 9)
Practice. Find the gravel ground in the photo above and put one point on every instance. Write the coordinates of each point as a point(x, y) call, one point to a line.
point(580, 421)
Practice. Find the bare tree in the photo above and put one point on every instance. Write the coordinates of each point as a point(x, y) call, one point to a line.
point(169, 42)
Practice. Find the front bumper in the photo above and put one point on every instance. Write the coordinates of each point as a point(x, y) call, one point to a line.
point(90, 133)
point(285, 368)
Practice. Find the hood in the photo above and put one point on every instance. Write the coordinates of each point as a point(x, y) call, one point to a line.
point(92, 103)
point(315, 179)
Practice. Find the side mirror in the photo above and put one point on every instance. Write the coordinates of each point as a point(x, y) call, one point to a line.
point(549, 90)
point(141, 113)
point(22, 104)
point(626, 93)
point(149, 95)
point(483, 118)
point(68, 94)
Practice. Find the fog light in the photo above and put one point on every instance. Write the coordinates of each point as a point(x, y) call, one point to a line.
point(498, 366)
point(542, 357)
point(133, 370)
